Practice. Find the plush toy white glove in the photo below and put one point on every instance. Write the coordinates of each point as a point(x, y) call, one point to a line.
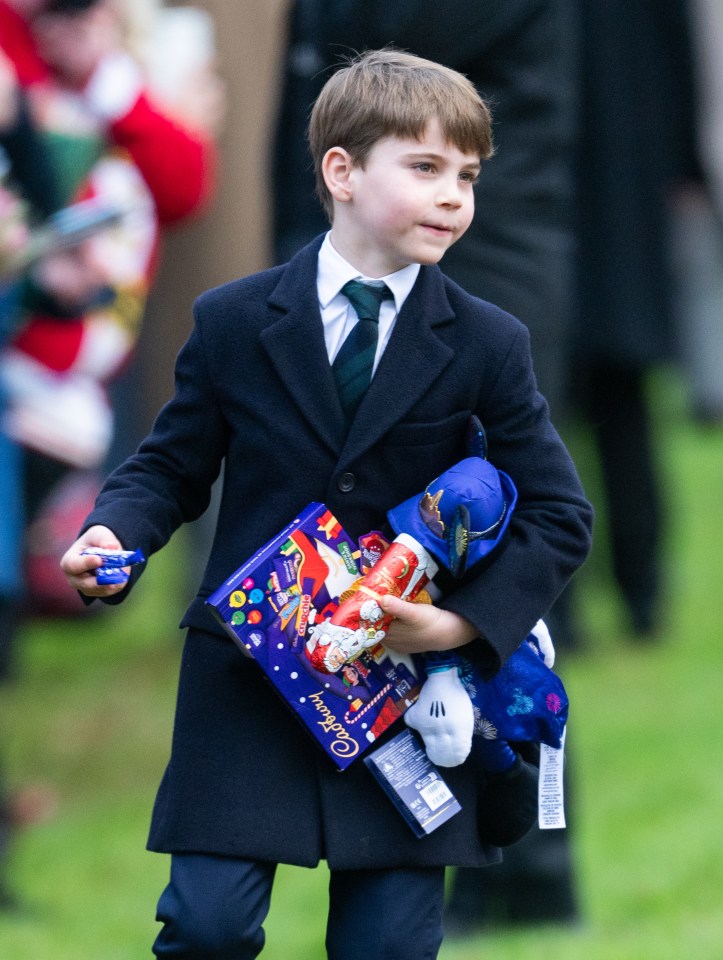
point(444, 717)
point(544, 642)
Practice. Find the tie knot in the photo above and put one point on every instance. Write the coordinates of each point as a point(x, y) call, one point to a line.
point(366, 298)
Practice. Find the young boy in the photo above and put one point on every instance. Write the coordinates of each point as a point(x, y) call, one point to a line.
point(398, 143)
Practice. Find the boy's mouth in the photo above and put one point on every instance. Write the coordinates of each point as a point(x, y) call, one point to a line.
point(438, 229)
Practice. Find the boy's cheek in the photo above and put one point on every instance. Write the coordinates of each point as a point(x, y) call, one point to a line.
point(465, 227)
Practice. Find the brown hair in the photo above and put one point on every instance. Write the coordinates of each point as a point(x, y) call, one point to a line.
point(389, 92)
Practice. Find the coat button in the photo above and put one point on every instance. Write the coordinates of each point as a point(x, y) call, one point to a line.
point(346, 482)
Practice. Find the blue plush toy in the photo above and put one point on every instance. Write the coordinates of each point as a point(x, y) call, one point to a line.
point(459, 519)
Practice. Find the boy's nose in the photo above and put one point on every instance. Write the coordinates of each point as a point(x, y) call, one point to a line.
point(450, 194)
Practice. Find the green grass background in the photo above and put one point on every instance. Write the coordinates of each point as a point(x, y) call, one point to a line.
point(92, 710)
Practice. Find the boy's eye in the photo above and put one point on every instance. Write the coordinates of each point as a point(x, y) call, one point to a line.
point(424, 167)
point(468, 177)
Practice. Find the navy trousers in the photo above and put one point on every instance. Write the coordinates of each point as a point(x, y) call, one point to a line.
point(214, 909)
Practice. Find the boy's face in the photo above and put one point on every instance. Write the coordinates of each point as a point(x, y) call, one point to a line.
point(408, 204)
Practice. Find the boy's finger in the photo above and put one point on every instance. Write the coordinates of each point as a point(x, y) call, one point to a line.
point(401, 609)
point(87, 584)
point(76, 564)
point(390, 605)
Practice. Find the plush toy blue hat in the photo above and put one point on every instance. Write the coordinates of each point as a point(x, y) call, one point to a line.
point(463, 514)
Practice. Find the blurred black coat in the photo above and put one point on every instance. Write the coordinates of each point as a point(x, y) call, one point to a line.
point(522, 57)
point(637, 144)
point(254, 390)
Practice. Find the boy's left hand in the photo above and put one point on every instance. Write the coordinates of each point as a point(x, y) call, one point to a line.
point(421, 627)
point(80, 566)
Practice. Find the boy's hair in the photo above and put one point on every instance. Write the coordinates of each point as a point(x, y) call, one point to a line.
point(383, 93)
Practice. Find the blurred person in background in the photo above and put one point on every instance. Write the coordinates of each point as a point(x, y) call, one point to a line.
point(522, 55)
point(109, 137)
point(698, 225)
point(27, 193)
point(79, 121)
point(83, 48)
point(26, 184)
point(176, 48)
point(637, 147)
point(12, 234)
point(56, 368)
point(518, 253)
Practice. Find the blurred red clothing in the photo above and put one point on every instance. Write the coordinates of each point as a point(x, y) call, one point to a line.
point(17, 42)
point(179, 165)
point(109, 141)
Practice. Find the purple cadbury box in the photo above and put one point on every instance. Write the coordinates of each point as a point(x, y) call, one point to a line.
point(267, 606)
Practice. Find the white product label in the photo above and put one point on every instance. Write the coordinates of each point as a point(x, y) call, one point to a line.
point(550, 797)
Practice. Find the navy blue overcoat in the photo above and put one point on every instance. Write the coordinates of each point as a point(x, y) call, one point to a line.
point(254, 394)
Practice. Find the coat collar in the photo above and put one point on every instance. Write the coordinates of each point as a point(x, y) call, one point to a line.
point(415, 356)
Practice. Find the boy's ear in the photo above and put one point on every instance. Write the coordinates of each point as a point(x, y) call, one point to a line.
point(336, 168)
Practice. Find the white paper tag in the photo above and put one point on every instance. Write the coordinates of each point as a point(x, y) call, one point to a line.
point(550, 796)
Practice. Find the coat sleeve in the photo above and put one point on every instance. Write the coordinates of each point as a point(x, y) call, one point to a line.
point(549, 535)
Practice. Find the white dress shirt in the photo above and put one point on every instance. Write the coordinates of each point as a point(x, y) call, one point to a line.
point(337, 313)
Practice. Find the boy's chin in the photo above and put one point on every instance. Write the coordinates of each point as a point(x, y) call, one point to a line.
point(431, 258)
point(431, 254)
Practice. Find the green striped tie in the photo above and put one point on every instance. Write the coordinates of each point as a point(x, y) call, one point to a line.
point(354, 363)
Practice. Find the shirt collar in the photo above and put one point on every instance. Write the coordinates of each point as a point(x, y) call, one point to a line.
point(334, 271)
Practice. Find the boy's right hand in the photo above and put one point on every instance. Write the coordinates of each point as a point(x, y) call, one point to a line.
point(79, 568)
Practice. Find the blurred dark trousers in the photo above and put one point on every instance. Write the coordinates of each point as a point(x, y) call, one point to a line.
point(214, 908)
point(617, 407)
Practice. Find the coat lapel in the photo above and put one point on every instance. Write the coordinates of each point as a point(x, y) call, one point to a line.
point(295, 344)
point(412, 361)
